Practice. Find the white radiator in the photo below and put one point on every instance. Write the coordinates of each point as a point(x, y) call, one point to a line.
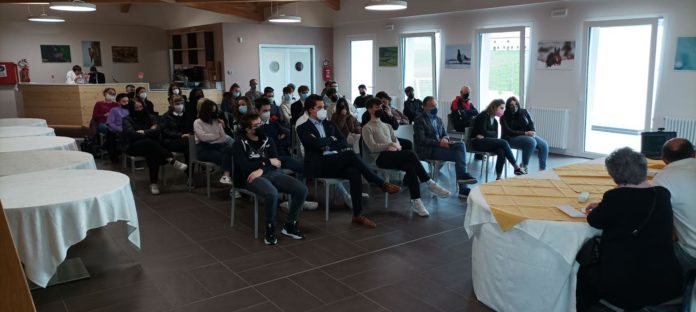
point(552, 125)
point(685, 128)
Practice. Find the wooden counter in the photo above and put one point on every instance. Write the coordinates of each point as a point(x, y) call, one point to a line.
point(72, 105)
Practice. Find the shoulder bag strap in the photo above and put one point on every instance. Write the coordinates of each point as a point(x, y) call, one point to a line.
point(636, 232)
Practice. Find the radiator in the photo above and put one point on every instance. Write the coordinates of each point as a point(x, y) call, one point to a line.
point(552, 125)
point(685, 128)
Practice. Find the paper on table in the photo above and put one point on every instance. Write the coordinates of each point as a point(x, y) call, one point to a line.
point(569, 210)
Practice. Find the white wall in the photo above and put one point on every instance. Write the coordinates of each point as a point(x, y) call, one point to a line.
point(563, 89)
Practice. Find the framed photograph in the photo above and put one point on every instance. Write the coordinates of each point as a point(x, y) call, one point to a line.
point(458, 56)
point(388, 56)
point(91, 53)
point(124, 54)
point(55, 53)
point(685, 58)
point(556, 55)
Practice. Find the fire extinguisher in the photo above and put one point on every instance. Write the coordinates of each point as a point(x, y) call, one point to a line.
point(326, 70)
point(23, 70)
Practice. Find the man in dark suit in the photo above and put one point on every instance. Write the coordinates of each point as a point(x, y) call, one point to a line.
point(432, 143)
point(297, 108)
point(95, 76)
point(327, 156)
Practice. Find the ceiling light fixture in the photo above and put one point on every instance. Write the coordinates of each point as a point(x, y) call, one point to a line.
point(73, 6)
point(385, 5)
point(282, 18)
point(45, 18)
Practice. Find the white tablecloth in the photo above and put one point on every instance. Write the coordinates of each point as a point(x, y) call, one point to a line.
point(27, 122)
point(23, 162)
point(24, 131)
point(49, 211)
point(528, 268)
point(38, 143)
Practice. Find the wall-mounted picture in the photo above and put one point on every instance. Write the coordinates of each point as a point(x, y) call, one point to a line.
point(458, 56)
point(55, 53)
point(686, 54)
point(124, 54)
point(388, 56)
point(91, 53)
point(558, 55)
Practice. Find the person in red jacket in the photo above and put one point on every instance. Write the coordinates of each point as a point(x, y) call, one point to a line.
point(462, 110)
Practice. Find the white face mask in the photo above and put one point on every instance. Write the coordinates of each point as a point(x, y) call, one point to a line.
point(265, 116)
point(176, 91)
point(143, 95)
point(110, 97)
point(179, 108)
point(321, 115)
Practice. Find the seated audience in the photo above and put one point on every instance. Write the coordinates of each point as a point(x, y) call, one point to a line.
point(102, 108)
point(114, 123)
point(141, 92)
point(385, 151)
point(212, 144)
point(240, 107)
point(391, 116)
point(637, 266)
point(518, 130)
point(462, 111)
point(327, 156)
point(347, 124)
point(174, 90)
point(412, 106)
point(292, 91)
point(95, 77)
point(269, 94)
point(285, 114)
point(297, 108)
point(230, 97)
point(361, 99)
point(432, 143)
point(679, 177)
point(253, 94)
point(256, 166)
point(130, 90)
point(192, 105)
point(330, 101)
point(141, 138)
point(484, 137)
point(175, 131)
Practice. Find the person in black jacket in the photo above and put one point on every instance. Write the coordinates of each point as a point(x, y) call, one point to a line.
point(327, 156)
point(361, 99)
point(192, 105)
point(484, 137)
point(518, 130)
point(141, 138)
point(297, 108)
point(141, 92)
point(175, 130)
point(256, 167)
point(637, 266)
point(96, 77)
point(412, 106)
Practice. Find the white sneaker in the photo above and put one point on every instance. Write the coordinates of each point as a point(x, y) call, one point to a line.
point(154, 189)
point(237, 195)
point(417, 206)
point(438, 190)
point(365, 195)
point(310, 205)
point(226, 180)
point(179, 165)
point(285, 206)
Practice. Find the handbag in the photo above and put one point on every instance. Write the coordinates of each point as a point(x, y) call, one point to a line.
point(589, 251)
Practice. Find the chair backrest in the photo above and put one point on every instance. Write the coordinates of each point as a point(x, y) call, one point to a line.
point(467, 139)
point(405, 132)
point(192, 149)
point(450, 125)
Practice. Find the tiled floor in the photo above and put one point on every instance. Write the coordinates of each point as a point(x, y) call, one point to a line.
point(192, 260)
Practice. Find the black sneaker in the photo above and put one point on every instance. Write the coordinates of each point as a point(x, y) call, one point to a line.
point(292, 230)
point(464, 192)
point(478, 156)
point(270, 238)
point(519, 172)
point(467, 179)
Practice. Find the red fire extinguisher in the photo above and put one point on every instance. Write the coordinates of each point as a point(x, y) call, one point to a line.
point(23, 70)
point(326, 70)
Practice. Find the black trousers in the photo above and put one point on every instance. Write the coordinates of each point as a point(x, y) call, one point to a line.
point(112, 145)
point(586, 292)
point(347, 165)
point(179, 146)
point(406, 145)
point(155, 155)
point(498, 146)
point(405, 161)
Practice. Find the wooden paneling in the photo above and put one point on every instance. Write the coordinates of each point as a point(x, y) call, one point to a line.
point(14, 291)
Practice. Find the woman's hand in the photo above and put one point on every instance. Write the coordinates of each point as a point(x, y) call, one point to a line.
point(140, 132)
point(275, 162)
point(591, 207)
point(254, 174)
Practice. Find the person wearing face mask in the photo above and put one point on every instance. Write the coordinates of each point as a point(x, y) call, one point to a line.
point(102, 108)
point(230, 97)
point(285, 110)
point(130, 90)
point(297, 108)
point(114, 123)
point(256, 165)
point(327, 156)
point(432, 143)
point(192, 105)
point(330, 100)
point(212, 143)
point(383, 150)
point(291, 89)
point(241, 107)
point(361, 99)
point(175, 130)
point(484, 137)
point(412, 106)
point(141, 138)
point(253, 94)
point(347, 124)
point(174, 90)
point(269, 93)
point(463, 110)
point(389, 115)
point(149, 107)
point(518, 130)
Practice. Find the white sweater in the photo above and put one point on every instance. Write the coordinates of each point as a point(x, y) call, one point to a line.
point(209, 133)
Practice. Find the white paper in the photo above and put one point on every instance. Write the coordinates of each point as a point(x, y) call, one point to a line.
point(569, 210)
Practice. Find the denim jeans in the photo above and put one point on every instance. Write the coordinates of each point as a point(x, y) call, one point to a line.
point(456, 153)
point(219, 154)
point(296, 165)
point(272, 182)
point(528, 144)
point(499, 147)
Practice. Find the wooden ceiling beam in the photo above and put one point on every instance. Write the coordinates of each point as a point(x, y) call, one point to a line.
point(334, 4)
point(243, 10)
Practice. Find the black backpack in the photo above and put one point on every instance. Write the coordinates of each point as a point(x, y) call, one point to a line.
point(460, 121)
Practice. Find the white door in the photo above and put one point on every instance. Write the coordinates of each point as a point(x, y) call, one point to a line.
point(280, 65)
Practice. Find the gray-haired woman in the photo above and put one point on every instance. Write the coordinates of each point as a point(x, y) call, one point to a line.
point(637, 266)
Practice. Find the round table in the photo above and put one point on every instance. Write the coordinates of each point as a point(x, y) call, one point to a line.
point(24, 131)
point(27, 122)
point(30, 161)
point(38, 143)
point(49, 211)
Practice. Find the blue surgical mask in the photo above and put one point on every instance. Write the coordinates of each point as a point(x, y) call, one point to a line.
point(286, 97)
point(243, 110)
point(236, 94)
point(433, 111)
point(304, 96)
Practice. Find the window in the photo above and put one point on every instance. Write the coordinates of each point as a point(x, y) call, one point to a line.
point(361, 54)
point(418, 63)
point(503, 62)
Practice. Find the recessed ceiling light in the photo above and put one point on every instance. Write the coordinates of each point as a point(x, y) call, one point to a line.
point(74, 6)
point(385, 5)
point(282, 18)
point(46, 19)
